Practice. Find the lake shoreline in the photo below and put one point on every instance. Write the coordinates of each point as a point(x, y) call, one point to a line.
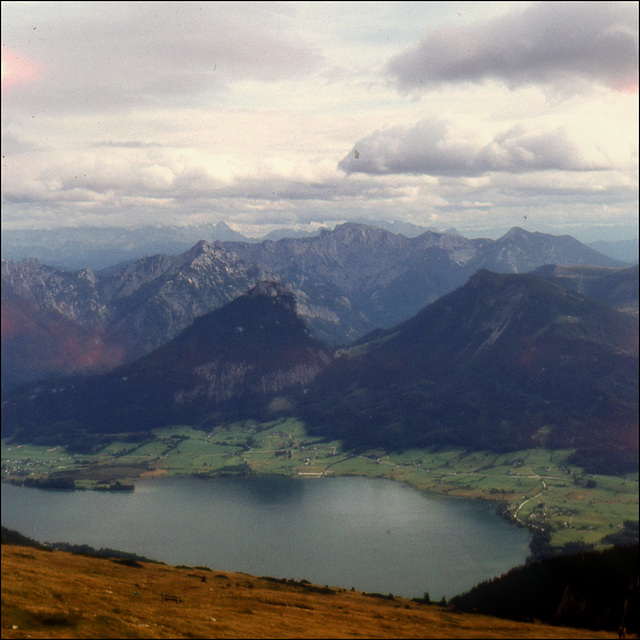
point(381, 537)
point(536, 489)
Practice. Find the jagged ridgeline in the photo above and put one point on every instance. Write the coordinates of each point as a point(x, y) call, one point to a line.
point(347, 282)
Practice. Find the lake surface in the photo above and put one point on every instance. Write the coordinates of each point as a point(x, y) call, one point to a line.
point(374, 535)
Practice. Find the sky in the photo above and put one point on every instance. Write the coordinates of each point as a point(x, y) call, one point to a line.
point(476, 116)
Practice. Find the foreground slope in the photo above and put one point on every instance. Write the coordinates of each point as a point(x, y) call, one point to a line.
point(505, 362)
point(54, 594)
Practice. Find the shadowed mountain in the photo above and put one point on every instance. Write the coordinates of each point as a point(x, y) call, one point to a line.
point(139, 306)
point(504, 362)
point(232, 361)
point(520, 251)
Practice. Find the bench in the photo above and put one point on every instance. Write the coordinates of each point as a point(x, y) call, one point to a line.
point(168, 598)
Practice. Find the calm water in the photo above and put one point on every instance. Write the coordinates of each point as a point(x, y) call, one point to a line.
point(374, 535)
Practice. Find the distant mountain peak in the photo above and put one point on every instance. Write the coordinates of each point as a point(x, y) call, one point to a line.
point(350, 227)
point(516, 232)
point(202, 246)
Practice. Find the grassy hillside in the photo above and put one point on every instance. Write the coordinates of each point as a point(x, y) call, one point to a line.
point(55, 594)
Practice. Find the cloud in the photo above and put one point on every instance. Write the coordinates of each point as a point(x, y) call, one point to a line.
point(170, 113)
point(150, 53)
point(545, 43)
point(439, 147)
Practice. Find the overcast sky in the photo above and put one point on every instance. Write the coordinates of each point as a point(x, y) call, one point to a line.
point(479, 116)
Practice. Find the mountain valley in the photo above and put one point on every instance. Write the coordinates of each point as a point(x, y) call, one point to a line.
point(493, 363)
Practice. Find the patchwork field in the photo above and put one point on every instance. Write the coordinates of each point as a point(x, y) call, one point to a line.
point(536, 487)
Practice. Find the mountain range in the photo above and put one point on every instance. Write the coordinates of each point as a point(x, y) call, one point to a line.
point(236, 361)
point(347, 282)
point(124, 314)
point(73, 248)
point(507, 361)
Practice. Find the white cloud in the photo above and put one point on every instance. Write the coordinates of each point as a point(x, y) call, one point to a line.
point(104, 56)
point(435, 146)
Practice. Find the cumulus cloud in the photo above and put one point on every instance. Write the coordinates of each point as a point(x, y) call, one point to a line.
point(439, 147)
point(549, 43)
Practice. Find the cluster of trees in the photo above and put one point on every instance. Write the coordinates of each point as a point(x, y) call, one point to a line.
point(595, 589)
point(11, 536)
point(628, 534)
point(50, 482)
point(605, 460)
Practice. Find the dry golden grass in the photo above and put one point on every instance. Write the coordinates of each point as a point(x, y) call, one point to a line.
point(61, 595)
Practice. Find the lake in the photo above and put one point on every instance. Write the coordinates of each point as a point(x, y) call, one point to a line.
point(375, 535)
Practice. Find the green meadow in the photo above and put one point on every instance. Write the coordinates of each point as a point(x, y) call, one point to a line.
point(536, 487)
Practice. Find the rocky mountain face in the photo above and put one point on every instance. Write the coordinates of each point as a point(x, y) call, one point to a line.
point(520, 251)
point(369, 277)
point(506, 361)
point(347, 282)
point(241, 360)
point(133, 310)
point(74, 295)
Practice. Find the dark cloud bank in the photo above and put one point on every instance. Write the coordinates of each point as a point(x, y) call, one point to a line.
point(549, 42)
